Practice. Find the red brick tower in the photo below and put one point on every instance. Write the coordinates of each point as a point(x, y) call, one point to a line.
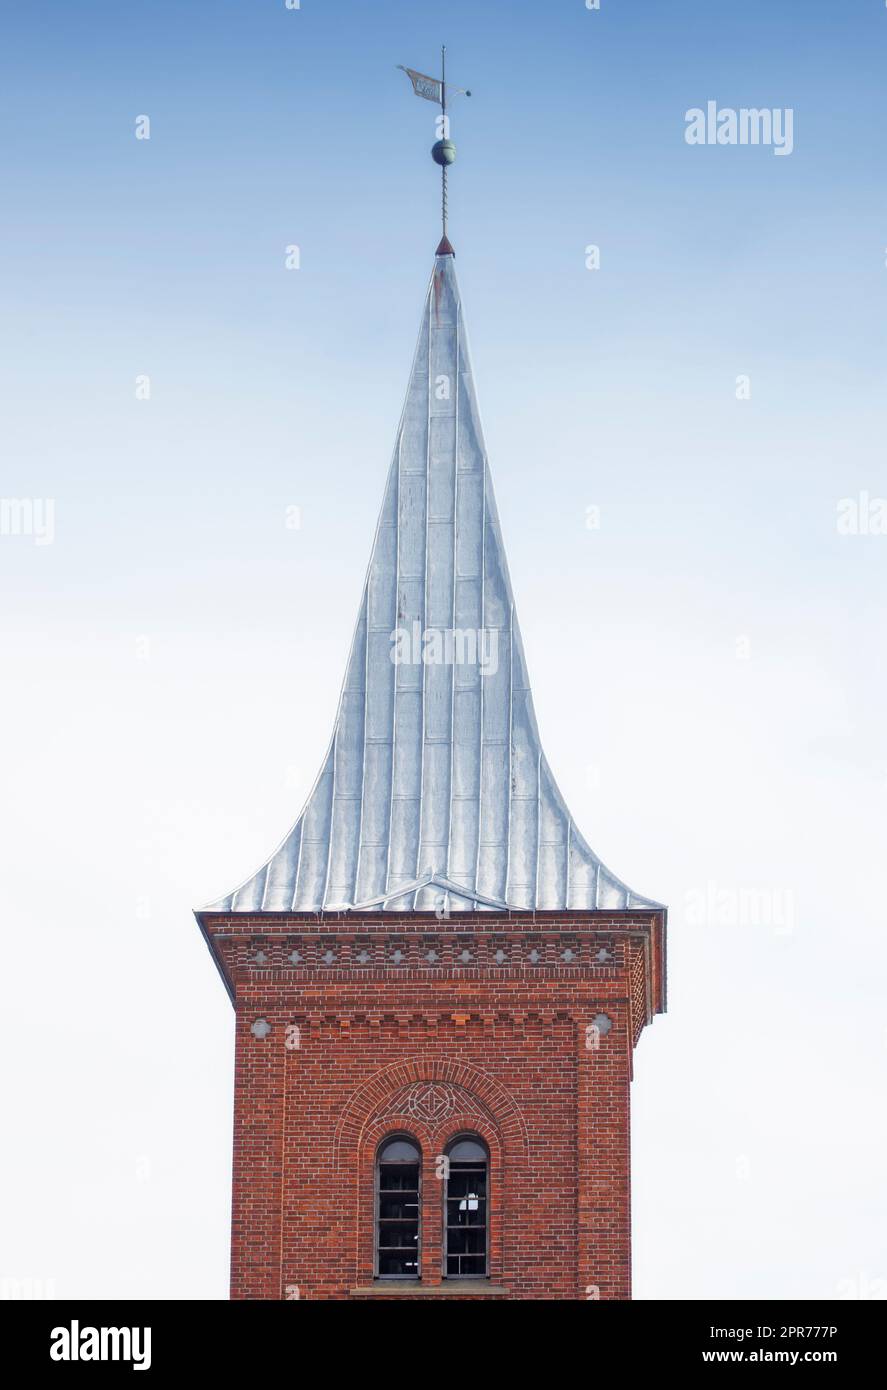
point(438, 985)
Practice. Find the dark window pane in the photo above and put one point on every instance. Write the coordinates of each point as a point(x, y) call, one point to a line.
point(398, 1236)
point(467, 1241)
point(399, 1177)
point(399, 1151)
point(466, 1266)
point(467, 1149)
point(398, 1208)
point(456, 1217)
point(405, 1264)
point(467, 1185)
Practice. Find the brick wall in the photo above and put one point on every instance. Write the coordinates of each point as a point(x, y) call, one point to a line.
point(516, 1027)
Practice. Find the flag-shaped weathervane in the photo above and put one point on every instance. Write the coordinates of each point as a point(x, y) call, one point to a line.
point(443, 151)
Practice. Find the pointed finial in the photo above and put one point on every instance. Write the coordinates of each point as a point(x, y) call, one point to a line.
point(443, 151)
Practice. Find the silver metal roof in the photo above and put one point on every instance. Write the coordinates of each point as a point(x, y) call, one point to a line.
point(434, 792)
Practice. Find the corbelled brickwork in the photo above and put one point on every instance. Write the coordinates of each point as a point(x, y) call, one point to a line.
point(517, 1027)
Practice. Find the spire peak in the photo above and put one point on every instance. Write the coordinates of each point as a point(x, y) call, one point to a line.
point(444, 247)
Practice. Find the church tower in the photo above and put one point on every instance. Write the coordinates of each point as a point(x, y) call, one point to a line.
point(438, 986)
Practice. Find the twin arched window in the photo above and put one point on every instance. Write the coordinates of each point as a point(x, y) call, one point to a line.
point(398, 1216)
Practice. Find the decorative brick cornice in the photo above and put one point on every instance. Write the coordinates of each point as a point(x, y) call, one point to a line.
point(289, 951)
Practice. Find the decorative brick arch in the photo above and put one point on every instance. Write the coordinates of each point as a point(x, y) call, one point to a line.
point(477, 1097)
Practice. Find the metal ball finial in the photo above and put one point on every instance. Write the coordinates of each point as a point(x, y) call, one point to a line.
point(443, 152)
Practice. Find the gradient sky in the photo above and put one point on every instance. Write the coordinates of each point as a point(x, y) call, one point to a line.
point(709, 666)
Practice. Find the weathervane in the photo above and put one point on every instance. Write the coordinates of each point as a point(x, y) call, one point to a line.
point(443, 151)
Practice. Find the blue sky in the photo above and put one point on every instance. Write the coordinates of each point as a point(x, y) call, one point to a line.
point(175, 655)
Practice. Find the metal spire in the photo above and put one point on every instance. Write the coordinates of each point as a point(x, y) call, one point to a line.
point(434, 788)
point(443, 151)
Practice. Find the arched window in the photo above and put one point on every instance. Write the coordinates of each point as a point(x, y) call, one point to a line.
point(466, 1233)
point(398, 1178)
